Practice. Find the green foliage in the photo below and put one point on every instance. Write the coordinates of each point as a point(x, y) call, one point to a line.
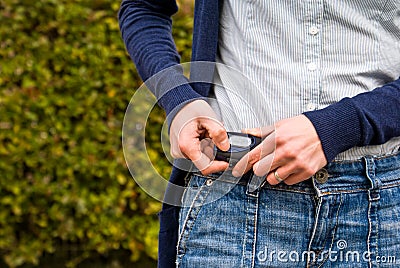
point(65, 82)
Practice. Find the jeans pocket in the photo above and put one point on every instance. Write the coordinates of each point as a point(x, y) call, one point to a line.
point(192, 200)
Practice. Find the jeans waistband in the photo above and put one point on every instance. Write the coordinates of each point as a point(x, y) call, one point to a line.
point(368, 172)
point(346, 176)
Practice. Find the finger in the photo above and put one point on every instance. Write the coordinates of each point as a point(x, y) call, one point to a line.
point(183, 140)
point(266, 147)
point(217, 133)
point(199, 159)
point(176, 153)
point(296, 178)
point(242, 166)
point(279, 160)
point(209, 152)
point(191, 147)
point(259, 131)
point(282, 176)
point(205, 164)
point(214, 167)
point(263, 167)
point(207, 147)
point(204, 143)
point(179, 148)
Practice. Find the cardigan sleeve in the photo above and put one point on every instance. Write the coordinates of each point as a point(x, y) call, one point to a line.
point(369, 118)
point(146, 29)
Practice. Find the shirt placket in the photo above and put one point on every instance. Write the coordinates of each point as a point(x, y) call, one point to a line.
point(312, 53)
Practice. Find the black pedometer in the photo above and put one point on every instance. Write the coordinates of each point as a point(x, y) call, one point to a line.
point(240, 144)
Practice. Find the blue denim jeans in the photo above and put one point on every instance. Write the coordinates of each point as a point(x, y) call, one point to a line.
point(347, 215)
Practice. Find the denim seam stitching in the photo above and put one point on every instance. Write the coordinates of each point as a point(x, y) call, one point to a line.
point(289, 190)
point(334, 229)
point(255, 233)
point(377, 230)
point(372, 216)
point(358, 190)
point(309, 263)
point(369, 234)
point(245, 237)
point(186, 228)
point(355, 191)
point(326, 238)
point(392, 185)
point(244, 246)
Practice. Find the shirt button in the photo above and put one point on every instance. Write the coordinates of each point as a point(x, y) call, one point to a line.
point(313, 30)
point(312, 66)
point(311, 106)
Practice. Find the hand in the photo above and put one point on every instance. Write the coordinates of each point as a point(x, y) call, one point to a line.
point(194, 130)
point(292, 149)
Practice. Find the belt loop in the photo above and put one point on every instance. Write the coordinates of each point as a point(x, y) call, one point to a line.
point(254, 184)
point(370, 172)
point(373, 207)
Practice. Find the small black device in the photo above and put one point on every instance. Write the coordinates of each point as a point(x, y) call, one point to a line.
point(241, 144)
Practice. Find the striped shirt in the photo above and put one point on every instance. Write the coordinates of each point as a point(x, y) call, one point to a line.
point(299, 56)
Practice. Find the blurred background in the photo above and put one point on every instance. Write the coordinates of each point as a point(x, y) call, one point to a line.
point(66, 196)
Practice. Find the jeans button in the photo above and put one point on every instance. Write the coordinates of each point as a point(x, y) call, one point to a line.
point(209, 182)
point(321, 176)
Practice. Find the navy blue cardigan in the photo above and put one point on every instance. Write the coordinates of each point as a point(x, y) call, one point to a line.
point(366, 119)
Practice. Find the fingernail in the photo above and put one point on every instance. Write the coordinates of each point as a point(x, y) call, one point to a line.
point(235, 173)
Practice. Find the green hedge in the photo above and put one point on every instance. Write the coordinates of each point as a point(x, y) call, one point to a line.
point(65, 82)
